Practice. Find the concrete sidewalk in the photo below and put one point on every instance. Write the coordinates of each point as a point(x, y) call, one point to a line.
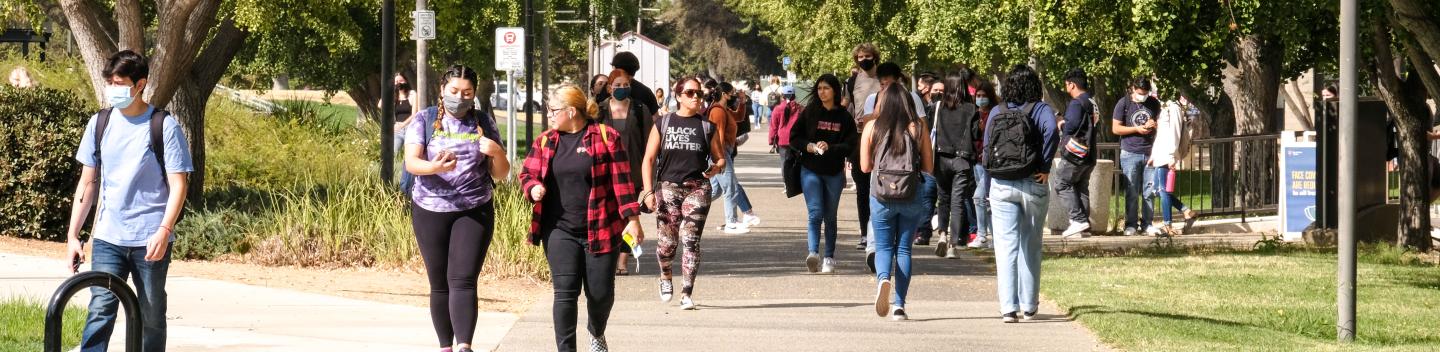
point(208, 315)
point(754, 294)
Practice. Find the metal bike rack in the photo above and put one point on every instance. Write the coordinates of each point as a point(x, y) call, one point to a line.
point(85, 280)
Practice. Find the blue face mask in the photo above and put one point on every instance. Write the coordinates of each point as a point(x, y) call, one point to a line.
point(982, 101)
point(118, 97)
point(620, 93)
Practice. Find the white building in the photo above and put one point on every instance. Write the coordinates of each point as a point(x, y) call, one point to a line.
point(654, 59)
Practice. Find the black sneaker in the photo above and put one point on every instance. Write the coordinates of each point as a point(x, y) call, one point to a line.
point(1008, 317)
point(1029, 315)
point(870, 261)
point(922, 241)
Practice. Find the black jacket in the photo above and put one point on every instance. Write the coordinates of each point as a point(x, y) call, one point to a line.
point(956, 131)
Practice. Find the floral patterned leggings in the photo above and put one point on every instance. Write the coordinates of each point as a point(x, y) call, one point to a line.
point(681, 213)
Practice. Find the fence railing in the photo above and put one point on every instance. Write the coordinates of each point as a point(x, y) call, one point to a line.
point(1219, 177)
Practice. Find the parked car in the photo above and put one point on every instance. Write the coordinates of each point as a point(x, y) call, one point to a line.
point(500, 99)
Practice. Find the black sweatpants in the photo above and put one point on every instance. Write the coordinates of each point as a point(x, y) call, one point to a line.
point(453, 246)
point(862, 195)
point(571, 268)
point(956, 178)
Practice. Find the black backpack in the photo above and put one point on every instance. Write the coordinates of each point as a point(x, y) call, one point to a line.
point(896, 176)
point(1013, 152)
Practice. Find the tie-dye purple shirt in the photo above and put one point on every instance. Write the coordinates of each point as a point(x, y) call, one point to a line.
point(467, 186)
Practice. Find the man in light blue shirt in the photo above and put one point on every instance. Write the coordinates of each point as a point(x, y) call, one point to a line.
point(139, 200)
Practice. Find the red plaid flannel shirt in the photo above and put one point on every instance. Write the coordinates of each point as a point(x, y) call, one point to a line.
point(612, 197)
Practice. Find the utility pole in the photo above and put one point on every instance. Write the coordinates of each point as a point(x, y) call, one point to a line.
point(387, 92)
point(422, 64)
point(1349, 86)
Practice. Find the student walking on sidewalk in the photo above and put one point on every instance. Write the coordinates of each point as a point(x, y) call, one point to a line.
point(453, 153)
point(724, 109)
point(578, 177)
point(684, 151)
point(634, 120)
point(824, 135)
point(1020, 142)
point(138, 199)
point(895, 148)
point(1172, 143)
point(957, 127)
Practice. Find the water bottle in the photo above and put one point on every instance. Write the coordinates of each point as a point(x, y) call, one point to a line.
point(1170, 181)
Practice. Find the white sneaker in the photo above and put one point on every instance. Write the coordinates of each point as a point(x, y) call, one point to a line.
point(812, 262)
point(882, 298)
point(686, 303)
point(750, 220)
point(736, 229)
point(667, 291)
point(1154, 231)
point(827, 266)
point(1077, 229)
point(979, 242)
point(898, 314)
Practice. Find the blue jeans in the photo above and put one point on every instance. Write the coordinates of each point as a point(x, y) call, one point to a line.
point(822, 198)
point(149, 278)
point(894, 233)
point(727, 184)
point(1020, 207)
point(1137, 178)
point(982, 201)
point(760, 110)
point(1167, 199)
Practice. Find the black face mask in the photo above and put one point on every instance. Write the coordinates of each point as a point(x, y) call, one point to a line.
point(867, 64)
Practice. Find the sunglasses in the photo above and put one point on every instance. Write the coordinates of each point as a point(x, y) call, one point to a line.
point(691, 93)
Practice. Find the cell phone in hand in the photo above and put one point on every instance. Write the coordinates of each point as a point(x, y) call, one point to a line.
point(75, 263)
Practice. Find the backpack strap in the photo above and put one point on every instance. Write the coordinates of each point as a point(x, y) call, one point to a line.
point(157, 139)
point(427, 122)
point(101, 121)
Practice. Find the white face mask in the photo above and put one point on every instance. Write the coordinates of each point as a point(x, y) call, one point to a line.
point(1138, 98)
point(118, 96)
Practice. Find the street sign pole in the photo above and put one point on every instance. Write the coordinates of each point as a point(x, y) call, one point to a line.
point(510, 57)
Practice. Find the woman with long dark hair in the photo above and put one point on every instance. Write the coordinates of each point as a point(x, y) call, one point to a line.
point(683, 153)
point(453, 153)
point(822, 138)
point(894, 135)
point(578, 176)
point(957, 128)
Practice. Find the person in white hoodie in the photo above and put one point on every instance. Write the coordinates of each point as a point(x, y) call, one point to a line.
point(1172, 143)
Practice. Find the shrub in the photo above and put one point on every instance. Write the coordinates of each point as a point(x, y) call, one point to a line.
point(38, 141)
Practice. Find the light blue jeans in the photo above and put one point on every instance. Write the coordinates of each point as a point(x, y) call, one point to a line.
point(1168, 200)
point(1139, 182)
point(894, 233)
point(727, 184)
point(822, 198)
point(149, 278)
point(1019, 207)
point(982, 201)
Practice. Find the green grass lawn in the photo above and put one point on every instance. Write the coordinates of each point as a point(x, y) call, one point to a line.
point(22, 325)
point(1246, 300)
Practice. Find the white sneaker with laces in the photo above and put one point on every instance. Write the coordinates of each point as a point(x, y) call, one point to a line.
point(1154, 231)
point(686, 303)
point(736, 229)
point(812, 262)
point(827, 266)
point(667, 291)
point(979, 242)
point(750, 220)
point(1076, 229)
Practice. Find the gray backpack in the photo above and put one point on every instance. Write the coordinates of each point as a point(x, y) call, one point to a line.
point(896, 176)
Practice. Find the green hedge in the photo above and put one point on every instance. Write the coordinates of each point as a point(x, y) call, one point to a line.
point(39, 131)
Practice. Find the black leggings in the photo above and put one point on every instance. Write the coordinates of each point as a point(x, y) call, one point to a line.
point(453, 245)
point(862, 196)
point(571, 267)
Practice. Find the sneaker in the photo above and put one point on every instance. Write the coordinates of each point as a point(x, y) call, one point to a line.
point(750, 220)
point(860, 246)
point(979, 242)
point(736, 229)
point(1155, 231)
point(898, 314)
point(1130, 231)
point(1008, 317)
point(827, 266)
point(597, 344)
point(882, 298)
point(942, 246)
point(464, 349)
point(870, 261)
point(687, 304)
point(447, 349)
point(667, 291)
point(812, 262)
point(1077, 229)
point(952, 253)
point(1028, 316)
point(921, 240)
point(1190, 218)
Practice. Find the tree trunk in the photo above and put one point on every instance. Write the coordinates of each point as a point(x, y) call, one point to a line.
point(366, 94)
point(1425, 68)
point(195, 92)
point(1406, 108)
point(1295, 102)
point(183, 25)
point(1252, 81)
point(93, 39)
point(131, 25)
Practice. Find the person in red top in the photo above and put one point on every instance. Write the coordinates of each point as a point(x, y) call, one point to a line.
point(782, 118)
point(578, 177)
